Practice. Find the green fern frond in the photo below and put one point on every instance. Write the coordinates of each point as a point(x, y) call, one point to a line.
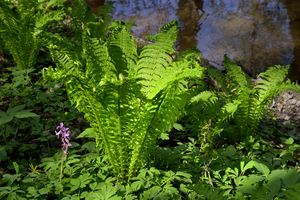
point(123, 50)
point(129, 99)
point(228, 111)
point(167, 35)
point(218, 79)
point(20, 29)
point(235, 74)
point(98, 61)
point(175, 72)
point(207, 98)
point(43, 19)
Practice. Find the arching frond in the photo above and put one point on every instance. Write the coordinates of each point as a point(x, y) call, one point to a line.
point(123, 50)
point(129, 99)
point(236, 76)
point(20, 27)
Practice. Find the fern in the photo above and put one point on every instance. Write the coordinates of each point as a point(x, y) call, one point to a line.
point(238, 104)
point(256, 98)
point(20, 29)
point(129, 98)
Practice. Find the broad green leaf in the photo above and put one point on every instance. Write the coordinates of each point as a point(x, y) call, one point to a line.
point(261, 168)
point(135, 186)
point(249, 165)
point(87, 133)
point(107, 192)
point(25, 114)
point(292, 192)
point(289, 141)
point(44, 190)
point(249, 184)
point(16, 109)
point(5, 119)
point(151, 193)
point(178, 127)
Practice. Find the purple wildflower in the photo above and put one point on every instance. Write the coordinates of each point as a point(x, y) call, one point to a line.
point(64, 133)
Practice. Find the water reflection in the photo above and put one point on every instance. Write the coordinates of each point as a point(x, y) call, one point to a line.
point(147, 16)
point(256, 33)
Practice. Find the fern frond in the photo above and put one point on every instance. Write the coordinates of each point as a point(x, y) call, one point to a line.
point(159, 117)
point(218, 79)
point(165, 77)
point(235, 74)
point(155, 57)
point(20, 29)
point(228, 111)
point(98, 61)
point(208, 98)
point(43, 19)
point(129, 102)
point(123, 50)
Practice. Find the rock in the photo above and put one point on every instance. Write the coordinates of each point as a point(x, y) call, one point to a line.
point(286, 110)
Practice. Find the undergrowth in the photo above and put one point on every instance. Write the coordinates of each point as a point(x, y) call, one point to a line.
point(111, 120)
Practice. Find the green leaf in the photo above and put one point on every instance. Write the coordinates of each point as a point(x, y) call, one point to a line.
point(249, 165)
point(152, 192)
point(248, 184)
point(16, 109)
point(16, 167)
point(44, 190)
point(25, 114)
point(292, 192)
point(107, 192)
point(261, 168)
point(88, 133)
point(289, 141)
point(75, 184)
point(178, 127)
point(5, 119)
point(135, 186)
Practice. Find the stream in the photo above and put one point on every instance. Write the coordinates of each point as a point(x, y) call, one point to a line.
point(255, 33)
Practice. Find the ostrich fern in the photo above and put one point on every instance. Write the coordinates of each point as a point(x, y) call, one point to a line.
point(237, 104)
point(129, 97)
point(253, 99)
point(21, 25)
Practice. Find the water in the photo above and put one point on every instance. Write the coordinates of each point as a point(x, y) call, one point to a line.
point(256, 33)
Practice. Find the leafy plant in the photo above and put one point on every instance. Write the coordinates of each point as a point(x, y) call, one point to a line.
point(129, 97)
point(22, 25)
point(27, 123)
point(266, 184)
point(15, 112)
point(236, 105)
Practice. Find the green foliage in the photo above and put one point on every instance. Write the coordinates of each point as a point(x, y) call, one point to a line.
point(15, 112)
point(129, 98)
point(87, 177)
point(22, 25)
point(132, 98)
point(236, 105)
point(264, 185)
point(29, 122)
